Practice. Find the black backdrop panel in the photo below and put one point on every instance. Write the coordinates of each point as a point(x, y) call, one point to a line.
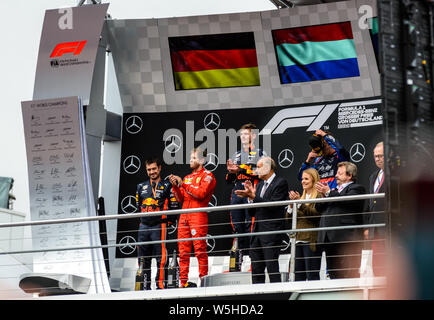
point(357, 124)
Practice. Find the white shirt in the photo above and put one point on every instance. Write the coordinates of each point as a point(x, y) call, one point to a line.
point(343, 186)
point(378, 180)
point(267, 184)
point(339, 188)
point(289, 209)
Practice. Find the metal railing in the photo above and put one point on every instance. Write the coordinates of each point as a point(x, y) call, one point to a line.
point(285, 203)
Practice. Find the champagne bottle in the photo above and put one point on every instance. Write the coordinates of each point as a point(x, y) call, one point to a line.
point(173, 272)
point(140, 276)
point(234, 257)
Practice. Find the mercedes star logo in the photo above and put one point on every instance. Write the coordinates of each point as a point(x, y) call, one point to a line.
point(210, 243)
point(357, 152)
point(131, 164)
point(286, 242)
point(127, 245)
point(213, 201)
point(286, 158)
point(212, 121)
point(212, 162)
point(133, 124)
point(128, 204)
point(173, 143)
point(172, 227)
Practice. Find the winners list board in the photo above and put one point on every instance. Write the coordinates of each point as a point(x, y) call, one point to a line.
point(59, 188)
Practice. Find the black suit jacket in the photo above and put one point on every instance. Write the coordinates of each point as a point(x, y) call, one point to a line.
point(276, 191)
point(335, 214)
point(375, 205)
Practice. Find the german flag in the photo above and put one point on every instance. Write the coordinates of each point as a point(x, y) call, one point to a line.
point(214, 61)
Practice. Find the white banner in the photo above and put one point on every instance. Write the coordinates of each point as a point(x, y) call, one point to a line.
point(67, 52)
point(60, 187)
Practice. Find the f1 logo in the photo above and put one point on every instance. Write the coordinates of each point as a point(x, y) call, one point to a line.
point(74, 47)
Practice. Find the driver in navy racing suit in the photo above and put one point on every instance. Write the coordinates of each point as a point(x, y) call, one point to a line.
point(240, 169)
point(154, 195)
point(326, 161)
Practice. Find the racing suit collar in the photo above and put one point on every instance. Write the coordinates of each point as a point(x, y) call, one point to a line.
point(199, 170)
point(250, 148)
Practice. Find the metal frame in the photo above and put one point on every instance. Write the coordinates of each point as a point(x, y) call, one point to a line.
point(292, 231)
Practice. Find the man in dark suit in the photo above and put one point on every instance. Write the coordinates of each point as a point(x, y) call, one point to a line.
point(342, 247)
point(265, 249)
point(376, 236)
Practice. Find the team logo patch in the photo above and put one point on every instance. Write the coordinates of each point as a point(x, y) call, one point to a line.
point(150, 202)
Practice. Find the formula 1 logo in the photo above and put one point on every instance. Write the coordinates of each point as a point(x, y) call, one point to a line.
point(312, 117)
point(74, 47)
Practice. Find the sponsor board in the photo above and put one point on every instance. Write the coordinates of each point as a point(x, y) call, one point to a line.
point(282, 132)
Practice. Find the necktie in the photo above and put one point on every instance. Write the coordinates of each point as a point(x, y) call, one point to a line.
point(263, 189)
point(380, 180)
point(340, 187)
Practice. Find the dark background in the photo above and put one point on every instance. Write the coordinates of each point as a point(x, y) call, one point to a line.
point(149, 142)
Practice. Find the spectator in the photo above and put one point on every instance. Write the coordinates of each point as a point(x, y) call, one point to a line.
point(307, 255)
point(265, 249)
point(240, 169)
point(377, 207)
point(342, 247)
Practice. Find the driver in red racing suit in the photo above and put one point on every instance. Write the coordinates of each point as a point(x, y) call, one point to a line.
point(195, 191)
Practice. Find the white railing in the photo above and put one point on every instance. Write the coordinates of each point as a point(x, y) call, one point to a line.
point(291, 231)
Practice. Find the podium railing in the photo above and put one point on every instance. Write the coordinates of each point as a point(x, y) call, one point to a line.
point(291, 232)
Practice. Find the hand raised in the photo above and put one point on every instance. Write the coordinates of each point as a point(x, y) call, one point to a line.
point(311, 156)
point(320, 132)
point(232, 167)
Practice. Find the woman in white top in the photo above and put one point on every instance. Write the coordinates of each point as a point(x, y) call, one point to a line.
point(308, 256)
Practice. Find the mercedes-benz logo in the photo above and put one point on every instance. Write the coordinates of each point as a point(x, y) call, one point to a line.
point(357, 152)
point(173, 143)
point(286, 158)
point(131, 164)
point(212, 162)
point(213, 201)
point(211, 122)
point(210, 243)
point(133, 124)
point(286, 242)
point(128, 204)
point(172, 227)
point(127, 245)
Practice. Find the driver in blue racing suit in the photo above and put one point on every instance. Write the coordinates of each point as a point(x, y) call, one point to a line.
point(326, 153)
point(155, 195)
